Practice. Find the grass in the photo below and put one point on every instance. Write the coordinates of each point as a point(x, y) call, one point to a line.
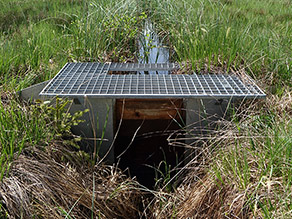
point(18, 129)
point(244, 170)
point(39, 38)
point(23, 126)
point(257, 160)
point(62, 187)
point(83, 31)
point(256, 33)
point(247, 172)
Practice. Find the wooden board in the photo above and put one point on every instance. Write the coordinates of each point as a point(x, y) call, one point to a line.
point(148, 109)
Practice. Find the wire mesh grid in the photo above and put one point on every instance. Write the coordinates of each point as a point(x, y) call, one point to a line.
point(79, 79)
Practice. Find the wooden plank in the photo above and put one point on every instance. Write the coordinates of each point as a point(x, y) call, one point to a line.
point(148, 108)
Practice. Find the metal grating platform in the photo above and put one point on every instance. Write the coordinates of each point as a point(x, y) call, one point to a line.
point(91, 79)
point(99, 68)
point(142, 67)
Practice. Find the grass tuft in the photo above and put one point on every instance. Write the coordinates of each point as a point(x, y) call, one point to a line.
point(242, 170)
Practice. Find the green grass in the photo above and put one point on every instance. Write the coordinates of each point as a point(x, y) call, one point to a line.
point(38, 37)
point(35, 46)
point(255, 34)
point(257, 159)
point(20, 127)
point(23, 126)
point(32, 34)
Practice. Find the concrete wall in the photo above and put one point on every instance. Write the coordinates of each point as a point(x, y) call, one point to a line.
point(201, 118)
point(98, 125)
point(32, 92)
point(98, 128)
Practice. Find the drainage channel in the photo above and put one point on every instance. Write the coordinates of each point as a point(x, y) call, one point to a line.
point(151, 49)
point(149, 103)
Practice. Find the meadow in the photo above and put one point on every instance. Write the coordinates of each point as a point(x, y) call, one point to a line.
point(245, 169)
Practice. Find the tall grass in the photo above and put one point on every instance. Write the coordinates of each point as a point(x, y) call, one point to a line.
point(23, 126)
point(84, 31)
point(256, 33)
point(38, 37)
point(33, 40)
point(19, 128)
point(243, 170)
point(256, 158)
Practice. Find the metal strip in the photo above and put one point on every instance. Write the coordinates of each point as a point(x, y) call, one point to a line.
point(137, 85)
point(51, 83)
point(123, 84)
point(130, 84)
point(229, 86)
point(115, 86)
point(211, 79)
point(151, 85)
point(179, 84)
point(70, 80)
point(97, 77)
point(143, 67)
point(108, 86)
point(233, 82)
point(199, 82)
point(172, 85)
point(158, 84)
point(162, 96)
point(220, 82)
point(165, 84)
point(191, 79)
point(93, 75)
point(85, 65)
point(244, 86)
point(187, 85)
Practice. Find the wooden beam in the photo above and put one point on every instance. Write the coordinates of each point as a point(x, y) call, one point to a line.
point(149, 109)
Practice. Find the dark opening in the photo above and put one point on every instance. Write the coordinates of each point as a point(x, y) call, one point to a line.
point(141, 145)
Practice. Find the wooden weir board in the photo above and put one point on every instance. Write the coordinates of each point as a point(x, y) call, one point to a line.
point(148, 109)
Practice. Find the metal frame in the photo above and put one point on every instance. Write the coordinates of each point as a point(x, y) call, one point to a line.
point(97, 90)
point(92, 80)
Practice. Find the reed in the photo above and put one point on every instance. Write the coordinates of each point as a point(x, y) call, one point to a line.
point(246, 170)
